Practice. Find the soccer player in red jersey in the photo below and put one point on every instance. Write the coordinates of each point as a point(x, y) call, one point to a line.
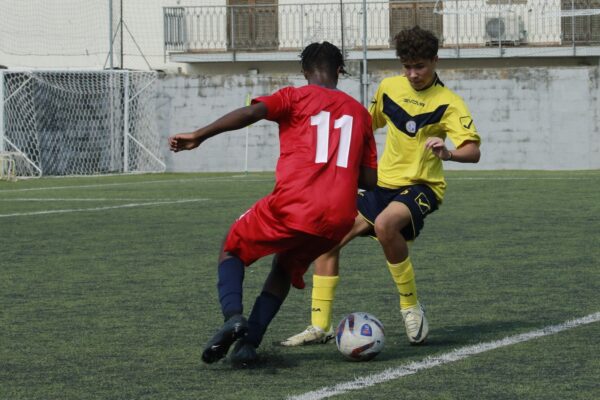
point(326, 148)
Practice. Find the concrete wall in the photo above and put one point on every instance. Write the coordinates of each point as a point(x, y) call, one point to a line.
point(539, 116)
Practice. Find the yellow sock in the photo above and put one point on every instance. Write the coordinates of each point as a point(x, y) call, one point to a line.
point(323, 293)
point(404, 276)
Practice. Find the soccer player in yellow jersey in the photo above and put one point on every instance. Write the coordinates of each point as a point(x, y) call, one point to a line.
point(419, 112)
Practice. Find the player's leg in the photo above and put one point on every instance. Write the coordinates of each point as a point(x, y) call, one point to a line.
point(289, 267)
point(230, 272)
point(248, 239)
point(400, 221)
point(267, 304)
point(326, 278)
point(325, 281)
point(388, 227)
point(230, 281)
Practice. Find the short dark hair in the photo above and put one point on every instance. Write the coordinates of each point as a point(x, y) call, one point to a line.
point(322, 56)
point(416, 43)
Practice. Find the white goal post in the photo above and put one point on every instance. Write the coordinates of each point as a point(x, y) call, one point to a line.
point(79, 122)
point(7, 167)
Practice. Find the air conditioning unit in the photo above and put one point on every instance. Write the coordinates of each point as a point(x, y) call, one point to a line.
point(507, 29)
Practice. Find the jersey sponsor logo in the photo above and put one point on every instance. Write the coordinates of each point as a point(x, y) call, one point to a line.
point(400, 118)
point(467, 122)
point(415, 102)
point(423, 203)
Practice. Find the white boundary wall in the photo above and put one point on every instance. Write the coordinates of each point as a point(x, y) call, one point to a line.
point(528, 117)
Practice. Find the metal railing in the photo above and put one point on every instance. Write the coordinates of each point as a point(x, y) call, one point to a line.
point(458, 24)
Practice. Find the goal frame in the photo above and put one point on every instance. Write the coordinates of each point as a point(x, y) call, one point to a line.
point(11, 149)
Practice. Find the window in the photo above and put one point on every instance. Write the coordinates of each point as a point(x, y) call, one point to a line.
point(585, 28)
point(408, 14)
point(252, 24)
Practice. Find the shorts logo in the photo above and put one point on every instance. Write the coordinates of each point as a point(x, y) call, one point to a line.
point(405, 192)
point(423, 203)
point(411, 126)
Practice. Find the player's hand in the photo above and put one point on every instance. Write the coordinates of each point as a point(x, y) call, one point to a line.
point(183, 141)
point(438, 147)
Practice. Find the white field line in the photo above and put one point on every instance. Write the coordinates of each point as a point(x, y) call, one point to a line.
point(244, 178)
point(523, 178)
point(435, 361)
point(72, 210)
point(234, 178)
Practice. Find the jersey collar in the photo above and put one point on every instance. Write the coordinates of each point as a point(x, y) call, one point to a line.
point(435, 82)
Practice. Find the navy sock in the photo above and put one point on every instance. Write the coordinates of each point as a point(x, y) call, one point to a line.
point(265, 308)
point(231, 277)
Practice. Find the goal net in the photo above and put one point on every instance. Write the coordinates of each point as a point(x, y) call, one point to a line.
point(79, 122)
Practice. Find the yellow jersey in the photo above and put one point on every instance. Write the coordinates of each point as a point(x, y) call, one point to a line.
point(411, 117)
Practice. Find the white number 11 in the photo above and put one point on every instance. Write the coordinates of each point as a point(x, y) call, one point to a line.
point(344, 123)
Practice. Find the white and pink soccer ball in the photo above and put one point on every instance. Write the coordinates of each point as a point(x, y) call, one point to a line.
point(360, 336)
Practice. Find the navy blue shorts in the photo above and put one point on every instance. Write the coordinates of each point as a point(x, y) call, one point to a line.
point(419, 199)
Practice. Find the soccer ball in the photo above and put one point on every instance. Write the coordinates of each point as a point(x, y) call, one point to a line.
point(360, 336)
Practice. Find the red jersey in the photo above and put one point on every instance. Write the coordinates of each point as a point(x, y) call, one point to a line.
point(325, 137)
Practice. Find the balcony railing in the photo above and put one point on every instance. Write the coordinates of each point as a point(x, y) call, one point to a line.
point(460, 24)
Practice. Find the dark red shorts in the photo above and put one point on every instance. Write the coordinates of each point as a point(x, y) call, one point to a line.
point(257, 233)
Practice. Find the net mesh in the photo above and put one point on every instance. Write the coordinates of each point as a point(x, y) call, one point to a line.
point(81, 123)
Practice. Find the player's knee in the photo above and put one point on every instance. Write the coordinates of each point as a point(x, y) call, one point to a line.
point(388, 230)
point(383, 230)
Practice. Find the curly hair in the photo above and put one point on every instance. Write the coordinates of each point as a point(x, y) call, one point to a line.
point(322, 56)
point(416, 43)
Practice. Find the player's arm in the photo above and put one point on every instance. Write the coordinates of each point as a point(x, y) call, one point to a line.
point(376, 111)
point(467, 152)
point(367, 178)
point(367, 175)
point(232, 121)
point(459, 127)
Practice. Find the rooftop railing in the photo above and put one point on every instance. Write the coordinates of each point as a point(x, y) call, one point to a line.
point(460, 24)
